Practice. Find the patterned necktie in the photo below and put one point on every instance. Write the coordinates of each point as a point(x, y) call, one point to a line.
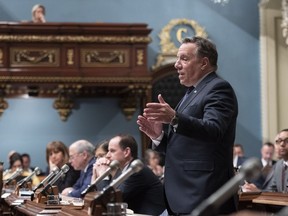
point(188, 91)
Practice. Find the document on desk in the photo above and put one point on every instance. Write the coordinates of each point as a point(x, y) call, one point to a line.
point(5, 195)
point(48, 211)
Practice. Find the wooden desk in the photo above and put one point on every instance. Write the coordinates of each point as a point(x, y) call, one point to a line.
point(246, 201)
point(272, 198)
point(263, 201)
point(31, 208)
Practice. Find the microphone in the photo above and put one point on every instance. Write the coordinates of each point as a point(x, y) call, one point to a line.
point(108, 193)
point(6, 172)
point(27, 178)
point(114, 165)
point(54, 171)
point(135, 166)
point(64, 169)
point(250, 170)
point(14, 175)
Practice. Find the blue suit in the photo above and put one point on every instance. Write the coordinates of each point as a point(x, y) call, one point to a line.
point(84, 180)
point(199, 154)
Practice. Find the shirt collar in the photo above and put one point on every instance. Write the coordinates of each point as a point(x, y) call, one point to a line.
point(202, 78)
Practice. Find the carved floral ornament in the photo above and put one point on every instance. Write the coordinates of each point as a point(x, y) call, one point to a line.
point(171, 37)
point(67, 92)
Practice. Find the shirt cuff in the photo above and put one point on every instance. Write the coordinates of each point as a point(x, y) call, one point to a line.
point(157, 141)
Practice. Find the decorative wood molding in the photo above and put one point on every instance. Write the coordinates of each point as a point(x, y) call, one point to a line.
point(73, 39)
point(3, 105)
point(67, 61)
point(34, 57)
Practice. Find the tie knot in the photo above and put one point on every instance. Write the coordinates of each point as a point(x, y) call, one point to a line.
point(189, 89)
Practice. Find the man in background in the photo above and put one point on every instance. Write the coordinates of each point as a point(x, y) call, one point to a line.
point(142, 191)
point(81, 157)
point(26, 162)
point(238, 156)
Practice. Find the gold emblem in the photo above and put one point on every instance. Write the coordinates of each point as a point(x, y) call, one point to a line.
point(171, 37)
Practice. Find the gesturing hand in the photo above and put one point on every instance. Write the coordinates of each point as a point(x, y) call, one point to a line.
point(154, 116)
point(159, 112)
point(150, 128)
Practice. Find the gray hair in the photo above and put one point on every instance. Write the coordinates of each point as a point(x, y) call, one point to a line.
point(83, 146)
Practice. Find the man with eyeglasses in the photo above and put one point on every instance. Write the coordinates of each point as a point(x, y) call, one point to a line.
point(280, 175)
point(276, 180)
point(81, 157)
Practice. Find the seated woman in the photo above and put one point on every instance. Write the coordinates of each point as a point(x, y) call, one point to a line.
point(57, 154)
point(15, 162)
point(101, 150)
point(38, 14)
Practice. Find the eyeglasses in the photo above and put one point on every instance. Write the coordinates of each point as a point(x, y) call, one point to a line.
point(72, 157)
point(279, 141)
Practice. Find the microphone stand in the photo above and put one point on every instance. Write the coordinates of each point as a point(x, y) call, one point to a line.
point(98, 204)
point(49, 190)
point(110, 194)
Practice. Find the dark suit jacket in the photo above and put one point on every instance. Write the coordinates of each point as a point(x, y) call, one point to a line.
point(84, 180)
point(69, 179)
point(142, 191)
point(199, 155)
point(240, 161)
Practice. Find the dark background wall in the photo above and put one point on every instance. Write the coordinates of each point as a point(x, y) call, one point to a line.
point(29, 124)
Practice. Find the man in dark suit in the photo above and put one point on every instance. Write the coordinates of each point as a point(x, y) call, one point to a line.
point(199, 144)
point(142, 191)
point(238, 156)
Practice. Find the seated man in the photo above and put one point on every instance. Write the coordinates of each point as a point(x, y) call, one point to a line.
point(276, 180)
point(238, 156)
point(82, 158)
point(143, 190)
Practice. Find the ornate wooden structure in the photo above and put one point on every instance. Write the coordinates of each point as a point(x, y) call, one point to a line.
point(75, 60)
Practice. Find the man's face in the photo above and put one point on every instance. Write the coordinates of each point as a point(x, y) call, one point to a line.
point(188, 65)
point(277, 147)
point(267, 153)
point(116, 153)
point(282, 143)
point(76, 159)
point(238, 151)
point(26, 162)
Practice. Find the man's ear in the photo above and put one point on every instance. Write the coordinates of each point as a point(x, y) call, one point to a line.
point(85, 154)
point(205, 63)
point(127, 151)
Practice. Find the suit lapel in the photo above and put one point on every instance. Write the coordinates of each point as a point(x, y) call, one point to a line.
point(195, 92)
